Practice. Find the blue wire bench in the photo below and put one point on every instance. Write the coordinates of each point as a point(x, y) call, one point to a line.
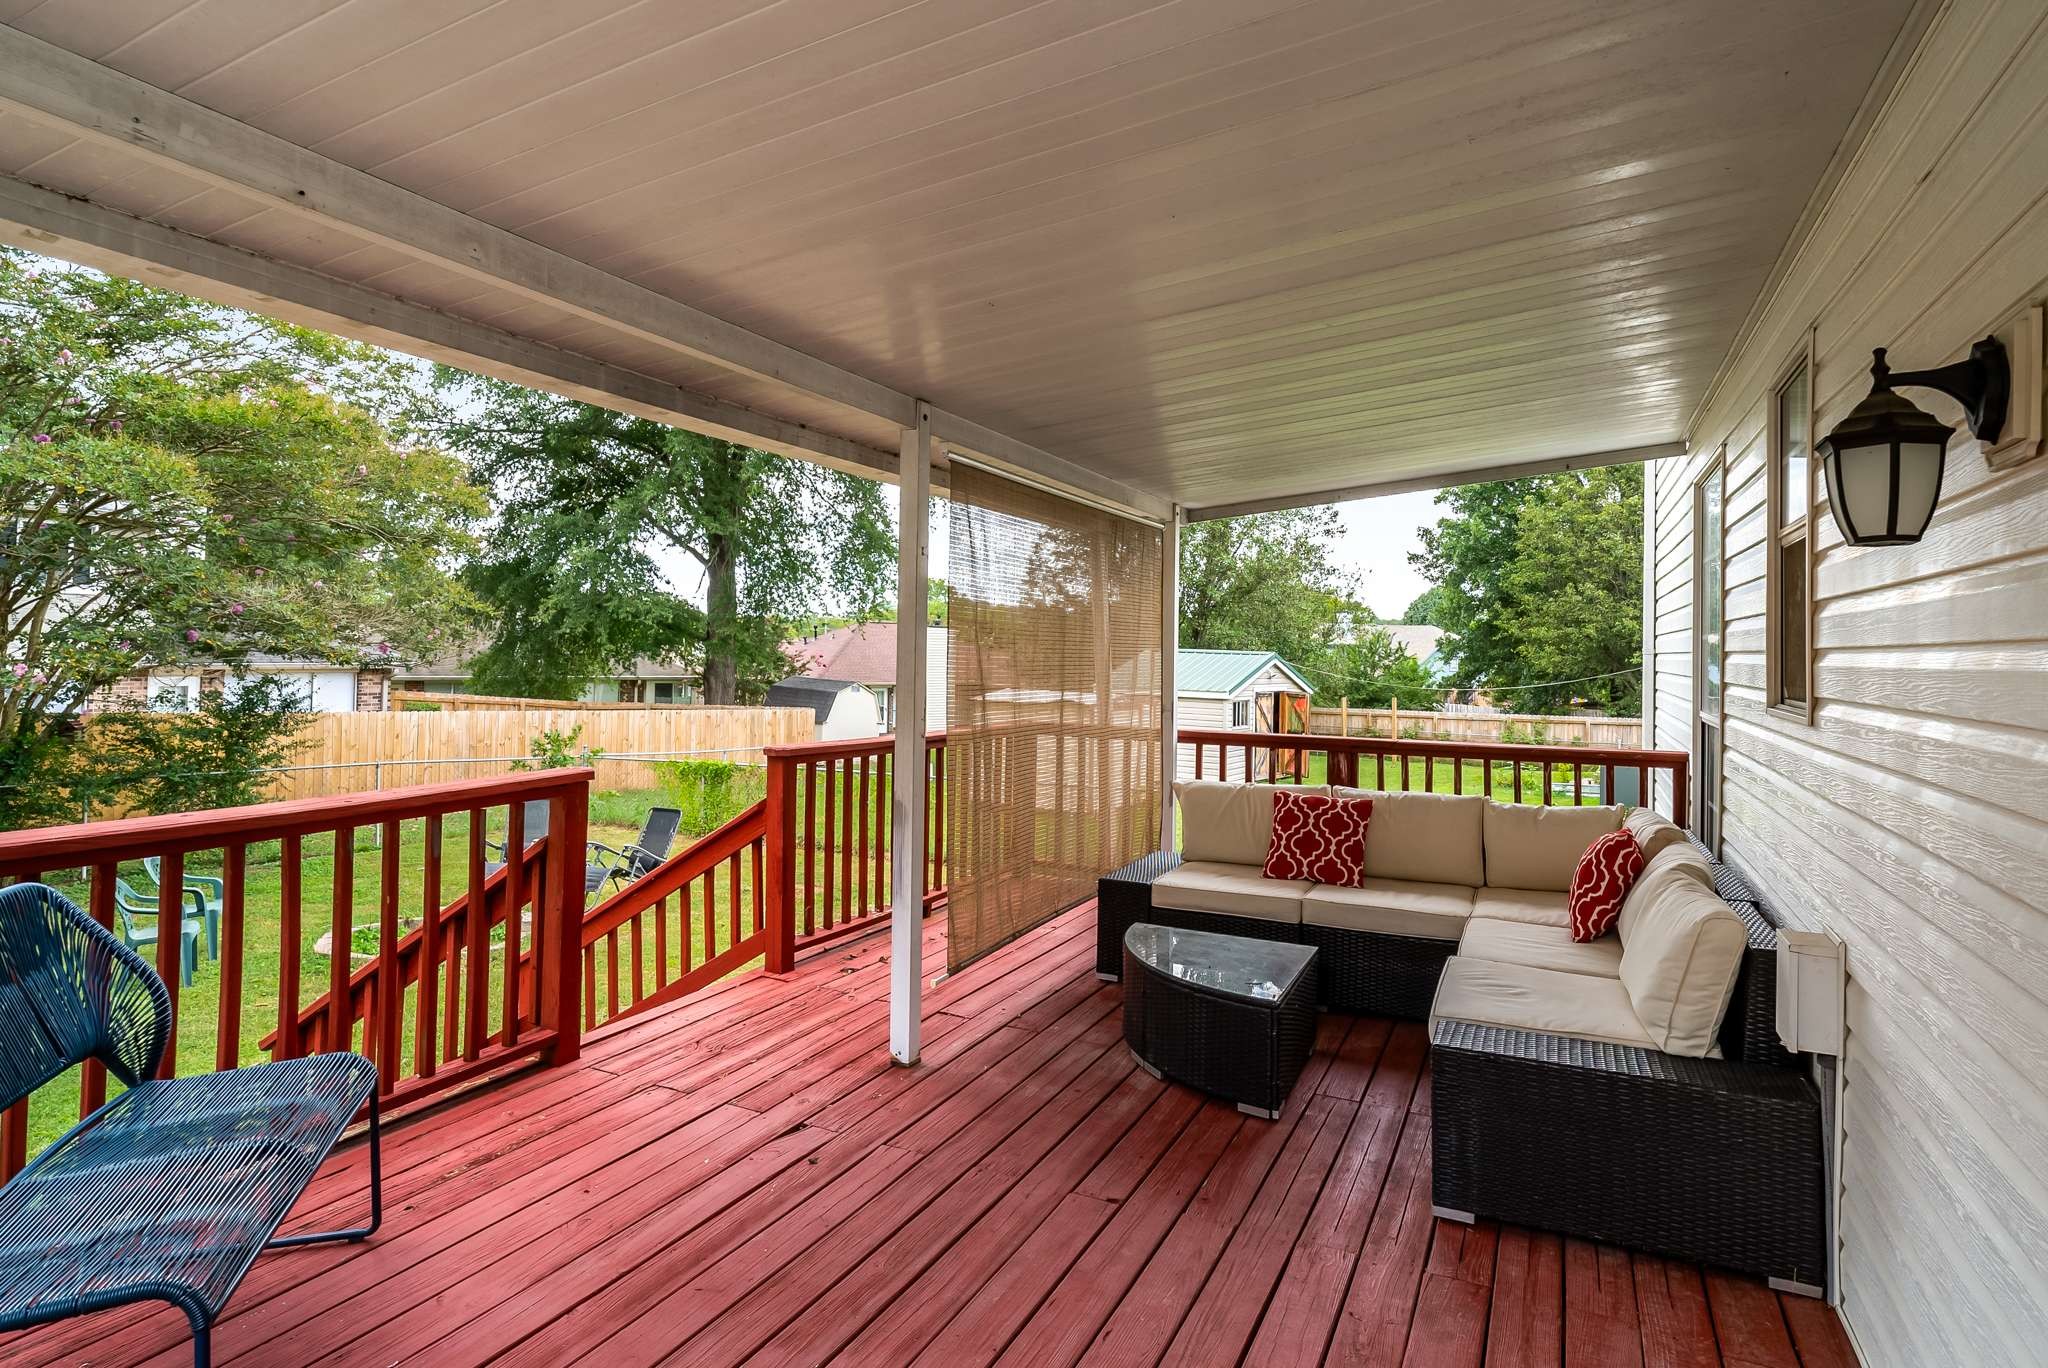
point(170, 1190)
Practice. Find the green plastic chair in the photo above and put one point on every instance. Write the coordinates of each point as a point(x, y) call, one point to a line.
point(211, 893)
point(140, 926)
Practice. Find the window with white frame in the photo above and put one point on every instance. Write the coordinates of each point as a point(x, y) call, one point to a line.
point(1241, 714)
point(1788, 609)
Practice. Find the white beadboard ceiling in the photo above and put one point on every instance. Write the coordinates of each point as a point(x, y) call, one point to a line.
point(1222, 251)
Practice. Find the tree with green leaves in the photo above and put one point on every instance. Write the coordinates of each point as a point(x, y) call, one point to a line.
point(1373, 671)
point(182, 483)
point(596, 509)
point(1265, 582)
point(1539, 583)
point(218, 753)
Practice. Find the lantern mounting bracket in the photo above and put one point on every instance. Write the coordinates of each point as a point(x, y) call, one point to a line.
point(1982, 384)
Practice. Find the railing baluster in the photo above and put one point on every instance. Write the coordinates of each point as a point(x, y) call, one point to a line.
point(227, 1036)
point(847, 908)
point(390, 992)
point(611, 972)
point(477, 934)
point(1578, 778)
point(92, 1079)
point(639, 949)
point(1547, 773)
point(809, 845)
point(515, 902)
point(661, 944)
point(170, 944)
point(426, 1021)
point(290, 937)
point(732, 899)
point(340, 934)
point(862, 906)
point(590, 987)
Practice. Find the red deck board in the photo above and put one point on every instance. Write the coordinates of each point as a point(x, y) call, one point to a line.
point(744, 1176)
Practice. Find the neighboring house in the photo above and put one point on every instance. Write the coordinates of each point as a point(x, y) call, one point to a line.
point(1249, 691)
point(845, 711)
point(649, 681)
point(324, 686)
point(865, 654)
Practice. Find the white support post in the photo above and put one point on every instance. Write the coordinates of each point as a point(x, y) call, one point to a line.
point(907, 786)
point(1169, 687)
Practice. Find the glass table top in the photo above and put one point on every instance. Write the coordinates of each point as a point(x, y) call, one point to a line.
point(1236, 966)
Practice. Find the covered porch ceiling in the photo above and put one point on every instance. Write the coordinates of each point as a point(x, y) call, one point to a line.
point(1226, 254)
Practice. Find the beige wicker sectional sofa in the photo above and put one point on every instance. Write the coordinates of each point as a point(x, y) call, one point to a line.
point(1463, 915)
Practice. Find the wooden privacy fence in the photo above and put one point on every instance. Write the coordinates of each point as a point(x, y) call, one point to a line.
point(362, 752)
point(463, 702)
point(1607, 732)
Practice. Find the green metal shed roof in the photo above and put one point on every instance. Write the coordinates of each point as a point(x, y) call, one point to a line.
point(1224, 672)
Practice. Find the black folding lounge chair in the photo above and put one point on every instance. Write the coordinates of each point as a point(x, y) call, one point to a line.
point(536, 825)
point(170, 1191)
point(657, 834)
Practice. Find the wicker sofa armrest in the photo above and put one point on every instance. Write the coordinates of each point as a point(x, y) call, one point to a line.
point(1121, 899)
point(1712, 1161)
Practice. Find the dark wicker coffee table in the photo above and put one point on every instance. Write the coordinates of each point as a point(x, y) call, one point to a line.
point(1226, 1014)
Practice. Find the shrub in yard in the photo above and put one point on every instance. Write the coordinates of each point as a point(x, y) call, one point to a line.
point(213, 755)
point(557, 749)
point(709, 792)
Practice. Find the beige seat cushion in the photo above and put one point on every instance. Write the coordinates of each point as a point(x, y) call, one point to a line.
point(1423, 837)
point(1540, 947)
point(1229, 823)
point(1537, 906)
point(1681, 862)
point(1236, 890)
point(1392, 907)
point(1679, 965)
point(1538, 847)
point(1527, 999)
point(1654, 832)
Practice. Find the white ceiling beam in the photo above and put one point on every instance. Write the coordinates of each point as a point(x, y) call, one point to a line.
point(92, 235)
point(1520, 471)
point(54, 86)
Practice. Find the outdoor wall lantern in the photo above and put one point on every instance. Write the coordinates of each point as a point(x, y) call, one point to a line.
point(1883, 463)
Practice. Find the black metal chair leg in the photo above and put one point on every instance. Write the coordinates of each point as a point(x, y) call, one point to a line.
point(202, 1346)
point(376, 1198)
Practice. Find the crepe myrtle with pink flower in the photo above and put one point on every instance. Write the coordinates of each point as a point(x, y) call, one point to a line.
point(192, 515)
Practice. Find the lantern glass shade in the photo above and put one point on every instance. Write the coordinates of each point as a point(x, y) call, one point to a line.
point(1883, 467)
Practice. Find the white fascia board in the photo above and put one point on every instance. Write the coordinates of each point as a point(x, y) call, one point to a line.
point(63, 226)
point(1519, 471)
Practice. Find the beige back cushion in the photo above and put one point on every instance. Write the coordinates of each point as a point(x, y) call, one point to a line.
point(1682, 862)
point(1229, 823)
point(1653, 831)
point(1423, 837)
point(1538, 847)
point(1679, 966)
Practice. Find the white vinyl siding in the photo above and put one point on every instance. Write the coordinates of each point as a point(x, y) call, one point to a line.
point(1911, 817)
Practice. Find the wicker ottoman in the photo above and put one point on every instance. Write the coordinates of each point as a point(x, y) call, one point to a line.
point(1230, 1015)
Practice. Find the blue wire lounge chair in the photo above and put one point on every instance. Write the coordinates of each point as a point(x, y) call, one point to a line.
point(141, 935)
point(170, 1191)
point(210, 893)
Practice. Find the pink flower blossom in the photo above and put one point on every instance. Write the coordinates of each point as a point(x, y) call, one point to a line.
point(114, 426)
point(236, 608)
point(19, 669)
point(227, 517)
point(191, 635)
point(383, 648)
point(42, 438)
point(124, 646)
point(64, 356)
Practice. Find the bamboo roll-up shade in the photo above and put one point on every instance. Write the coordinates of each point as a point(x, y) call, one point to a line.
point(1053, 705)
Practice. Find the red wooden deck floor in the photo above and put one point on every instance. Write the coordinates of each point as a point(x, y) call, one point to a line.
point(744, 1178)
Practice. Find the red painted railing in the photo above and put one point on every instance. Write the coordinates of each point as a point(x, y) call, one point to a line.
point(530, 925)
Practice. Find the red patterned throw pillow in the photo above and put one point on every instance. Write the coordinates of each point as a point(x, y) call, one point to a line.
point(1317, 838)
point(1605, 874)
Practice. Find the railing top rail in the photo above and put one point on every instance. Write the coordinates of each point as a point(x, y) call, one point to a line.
point(833, 750)
point(1450, 750)
point(40, 848)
